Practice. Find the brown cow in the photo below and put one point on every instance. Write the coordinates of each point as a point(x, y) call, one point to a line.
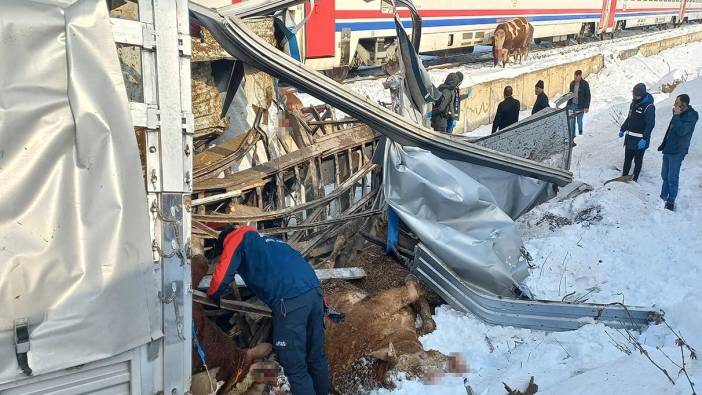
point(512, 38)
point(220, 350)
point(379, 337)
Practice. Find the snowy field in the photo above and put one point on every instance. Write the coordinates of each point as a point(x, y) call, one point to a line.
point(620, 245)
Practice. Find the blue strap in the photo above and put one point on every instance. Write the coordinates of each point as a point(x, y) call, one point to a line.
point(393, 230)
point(198, 347)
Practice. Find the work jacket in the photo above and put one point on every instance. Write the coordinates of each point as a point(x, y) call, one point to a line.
point(640, 122)
point(272, 269)
point(680, 130)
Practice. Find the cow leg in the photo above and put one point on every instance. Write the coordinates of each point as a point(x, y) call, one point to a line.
point(394, 300)
point(422, 308)
point(387, 354)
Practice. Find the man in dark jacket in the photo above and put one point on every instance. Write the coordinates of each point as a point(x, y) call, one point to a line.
point(442, 114)
point(580, 103)
point(281, 277)
point(675, 146)
point(541, 98)
point(507, 111)
point(637, 127)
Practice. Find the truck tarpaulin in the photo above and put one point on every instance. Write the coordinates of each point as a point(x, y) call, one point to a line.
point(76, 264)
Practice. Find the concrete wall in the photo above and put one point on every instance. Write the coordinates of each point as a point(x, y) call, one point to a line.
point(481, 106)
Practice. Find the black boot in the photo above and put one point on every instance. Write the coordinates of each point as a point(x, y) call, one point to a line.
point(670, 206)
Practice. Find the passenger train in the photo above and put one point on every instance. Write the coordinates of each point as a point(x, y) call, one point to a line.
point(342, 34)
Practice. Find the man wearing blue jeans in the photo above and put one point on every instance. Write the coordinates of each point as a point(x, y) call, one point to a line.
point(580, 103)
point(675, 146)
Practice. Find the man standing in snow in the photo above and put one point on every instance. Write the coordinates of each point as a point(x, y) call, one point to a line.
point(443, 118)
point(541, 98)
point(281, 277)
point(580, 103)
point(637, 127)
point(675, 146)
point(507, 111)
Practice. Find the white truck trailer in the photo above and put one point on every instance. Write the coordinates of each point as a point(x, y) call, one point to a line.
point(94, 244)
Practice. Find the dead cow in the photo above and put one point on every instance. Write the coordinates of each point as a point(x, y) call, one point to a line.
point(219, 349)
point(512, 38)
point(378, 337)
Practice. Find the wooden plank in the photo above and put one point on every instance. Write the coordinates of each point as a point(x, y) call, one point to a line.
point(231, 305)
point(205, 229)
point(259, 197)
point(314, 178)
point(312, 225)
point(331, 232)
point(268, 215)
point(279, 191)
point(326, 147)
point(216, 159)
point(345, 273)
point(216, 198)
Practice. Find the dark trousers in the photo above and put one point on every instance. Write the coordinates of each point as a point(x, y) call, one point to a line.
point(576, 117)
point(635, 155)
point(670, 173)
point(298, 339)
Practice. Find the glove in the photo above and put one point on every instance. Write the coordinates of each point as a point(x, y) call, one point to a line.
point(642, 144)
point(428, 114)
point(621, 133)
point(451, 125)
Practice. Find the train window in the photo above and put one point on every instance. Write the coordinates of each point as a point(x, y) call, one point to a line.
point(450, 40)
point(467, 36)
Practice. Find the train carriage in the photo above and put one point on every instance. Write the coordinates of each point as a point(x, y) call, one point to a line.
point(343, 34)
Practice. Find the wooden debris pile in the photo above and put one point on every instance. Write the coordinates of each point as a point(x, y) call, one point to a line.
point(305, 175)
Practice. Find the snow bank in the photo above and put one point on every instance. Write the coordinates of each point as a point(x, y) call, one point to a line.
point(612, 244)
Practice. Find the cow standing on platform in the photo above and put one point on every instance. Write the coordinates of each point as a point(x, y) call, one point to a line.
point(512, 38)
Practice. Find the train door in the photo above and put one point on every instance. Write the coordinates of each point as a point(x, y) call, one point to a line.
point(320, 30)
point(681, 15)
point(609, 11)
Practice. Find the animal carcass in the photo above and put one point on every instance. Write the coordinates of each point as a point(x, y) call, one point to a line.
point(378, 337)
point(512, 38)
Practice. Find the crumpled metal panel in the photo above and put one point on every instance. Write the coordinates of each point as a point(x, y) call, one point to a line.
point(75, 253)
point(456, 217)
point(543, 137)
point(544, 315)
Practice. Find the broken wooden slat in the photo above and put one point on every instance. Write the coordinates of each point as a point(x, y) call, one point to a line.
point(216, 198)
point(280, 192)
point(325, 147)
point(346, 273)
point(231, 305)
point(269, 215)
point(305, 251)
point(205, 229)
point(312, 225)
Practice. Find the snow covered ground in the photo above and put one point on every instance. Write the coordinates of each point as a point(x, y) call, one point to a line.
point(621, 245)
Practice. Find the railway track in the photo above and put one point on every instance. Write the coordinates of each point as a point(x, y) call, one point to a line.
point(482, 57)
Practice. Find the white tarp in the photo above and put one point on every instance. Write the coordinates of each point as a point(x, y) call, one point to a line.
point(456, 217)
point(75, 253)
